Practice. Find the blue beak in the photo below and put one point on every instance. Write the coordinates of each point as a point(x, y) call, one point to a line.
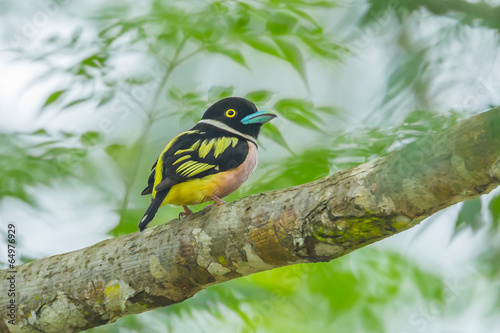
point(259, 117)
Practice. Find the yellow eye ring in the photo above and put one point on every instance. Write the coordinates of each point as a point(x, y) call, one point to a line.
point(230, 113)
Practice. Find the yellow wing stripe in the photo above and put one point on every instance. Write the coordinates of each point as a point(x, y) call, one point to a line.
point(192, 168)
point(192, 148)
point(200, 169)
point(159, 163)
point(205, 147)
point(234, 141)
point(180, 159)
point(219, 145)
point(184, 166)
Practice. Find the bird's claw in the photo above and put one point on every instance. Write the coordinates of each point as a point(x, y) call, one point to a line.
point(186, 212)
point(217, 202)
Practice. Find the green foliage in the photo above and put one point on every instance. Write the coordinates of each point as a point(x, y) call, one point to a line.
point(152, 97)
point(464, 12)
point(53, 97)
point(37, 158)
point(470, 216)
point(495, 211)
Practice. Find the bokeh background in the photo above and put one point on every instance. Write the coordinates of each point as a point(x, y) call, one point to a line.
point(91, 91)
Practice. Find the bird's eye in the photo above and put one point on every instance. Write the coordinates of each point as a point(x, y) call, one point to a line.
point(230, 113)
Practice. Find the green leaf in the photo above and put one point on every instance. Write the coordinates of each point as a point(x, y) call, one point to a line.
point(371, 322)
point(470, 216)
point(129, 221)
point(216, 93)
point(305, 16)
point(259, 96)
point(54, 97)
point(430, 286)
point(262, 44)
point(328, 110)
point(121, 155)
point(96, 61)
point(294, 56)
point(302, 121)
point(41, 131)
point(299, 112)
point(273, 133)
point(175, 94)
point(235, 55)
point(114, 150)
point(281, 23)
point(286, 105)
point(106, 99)
point(76, 102)
point(91, 138)
point(495, 212)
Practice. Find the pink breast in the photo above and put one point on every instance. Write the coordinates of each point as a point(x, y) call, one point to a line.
point(231, 180)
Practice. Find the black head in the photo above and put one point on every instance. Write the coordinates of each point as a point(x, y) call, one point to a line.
point(239, 114)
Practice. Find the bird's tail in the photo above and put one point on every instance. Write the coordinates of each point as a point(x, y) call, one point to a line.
point(152, 209)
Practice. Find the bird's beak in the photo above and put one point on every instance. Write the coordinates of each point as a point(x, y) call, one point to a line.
point(259, 117)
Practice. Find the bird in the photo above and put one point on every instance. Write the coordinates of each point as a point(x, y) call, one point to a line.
point(209, 161)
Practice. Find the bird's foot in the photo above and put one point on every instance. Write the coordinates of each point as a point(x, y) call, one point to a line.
point(186, 212)
point(217, 202)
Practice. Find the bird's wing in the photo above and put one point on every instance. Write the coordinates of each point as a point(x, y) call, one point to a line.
point(195, 154)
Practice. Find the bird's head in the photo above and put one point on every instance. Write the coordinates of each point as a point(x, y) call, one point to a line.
point(239, 114)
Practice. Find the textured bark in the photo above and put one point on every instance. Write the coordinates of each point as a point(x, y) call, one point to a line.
point(317, 221)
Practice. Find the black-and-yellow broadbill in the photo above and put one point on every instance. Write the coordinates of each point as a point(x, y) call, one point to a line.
point(209, 161)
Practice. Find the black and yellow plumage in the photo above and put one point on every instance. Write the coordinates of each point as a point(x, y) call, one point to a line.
point(209, 161)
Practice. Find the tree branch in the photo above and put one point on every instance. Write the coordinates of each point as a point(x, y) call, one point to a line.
point(317, 221)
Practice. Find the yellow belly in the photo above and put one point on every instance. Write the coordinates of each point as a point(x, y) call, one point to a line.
point(199, 190)
point(192, 192)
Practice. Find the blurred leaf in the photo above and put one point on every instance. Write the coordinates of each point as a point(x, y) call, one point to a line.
point(75, 102)
point(175, 94)
point(495, 212)
point(41, 131)
point(273, 133)
point(24, 163)
point(293, 56)
point(91, 138)
point(470, 216)
point(105, 99)
point(328, 110)
point(430, 286)
point(371, 322)
point(235, 55)
point(263, 45)
point(281, 23)
point(95, 60)
point(121, 154)
point(406, 75)
point(216, 93)
point(259, 96)
point(54, 97)
point(129, 221)
point(299, 112)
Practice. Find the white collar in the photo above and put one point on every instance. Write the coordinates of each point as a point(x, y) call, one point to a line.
point(225, 127)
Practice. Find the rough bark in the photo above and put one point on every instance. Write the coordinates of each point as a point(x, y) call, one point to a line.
point(317, 221)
